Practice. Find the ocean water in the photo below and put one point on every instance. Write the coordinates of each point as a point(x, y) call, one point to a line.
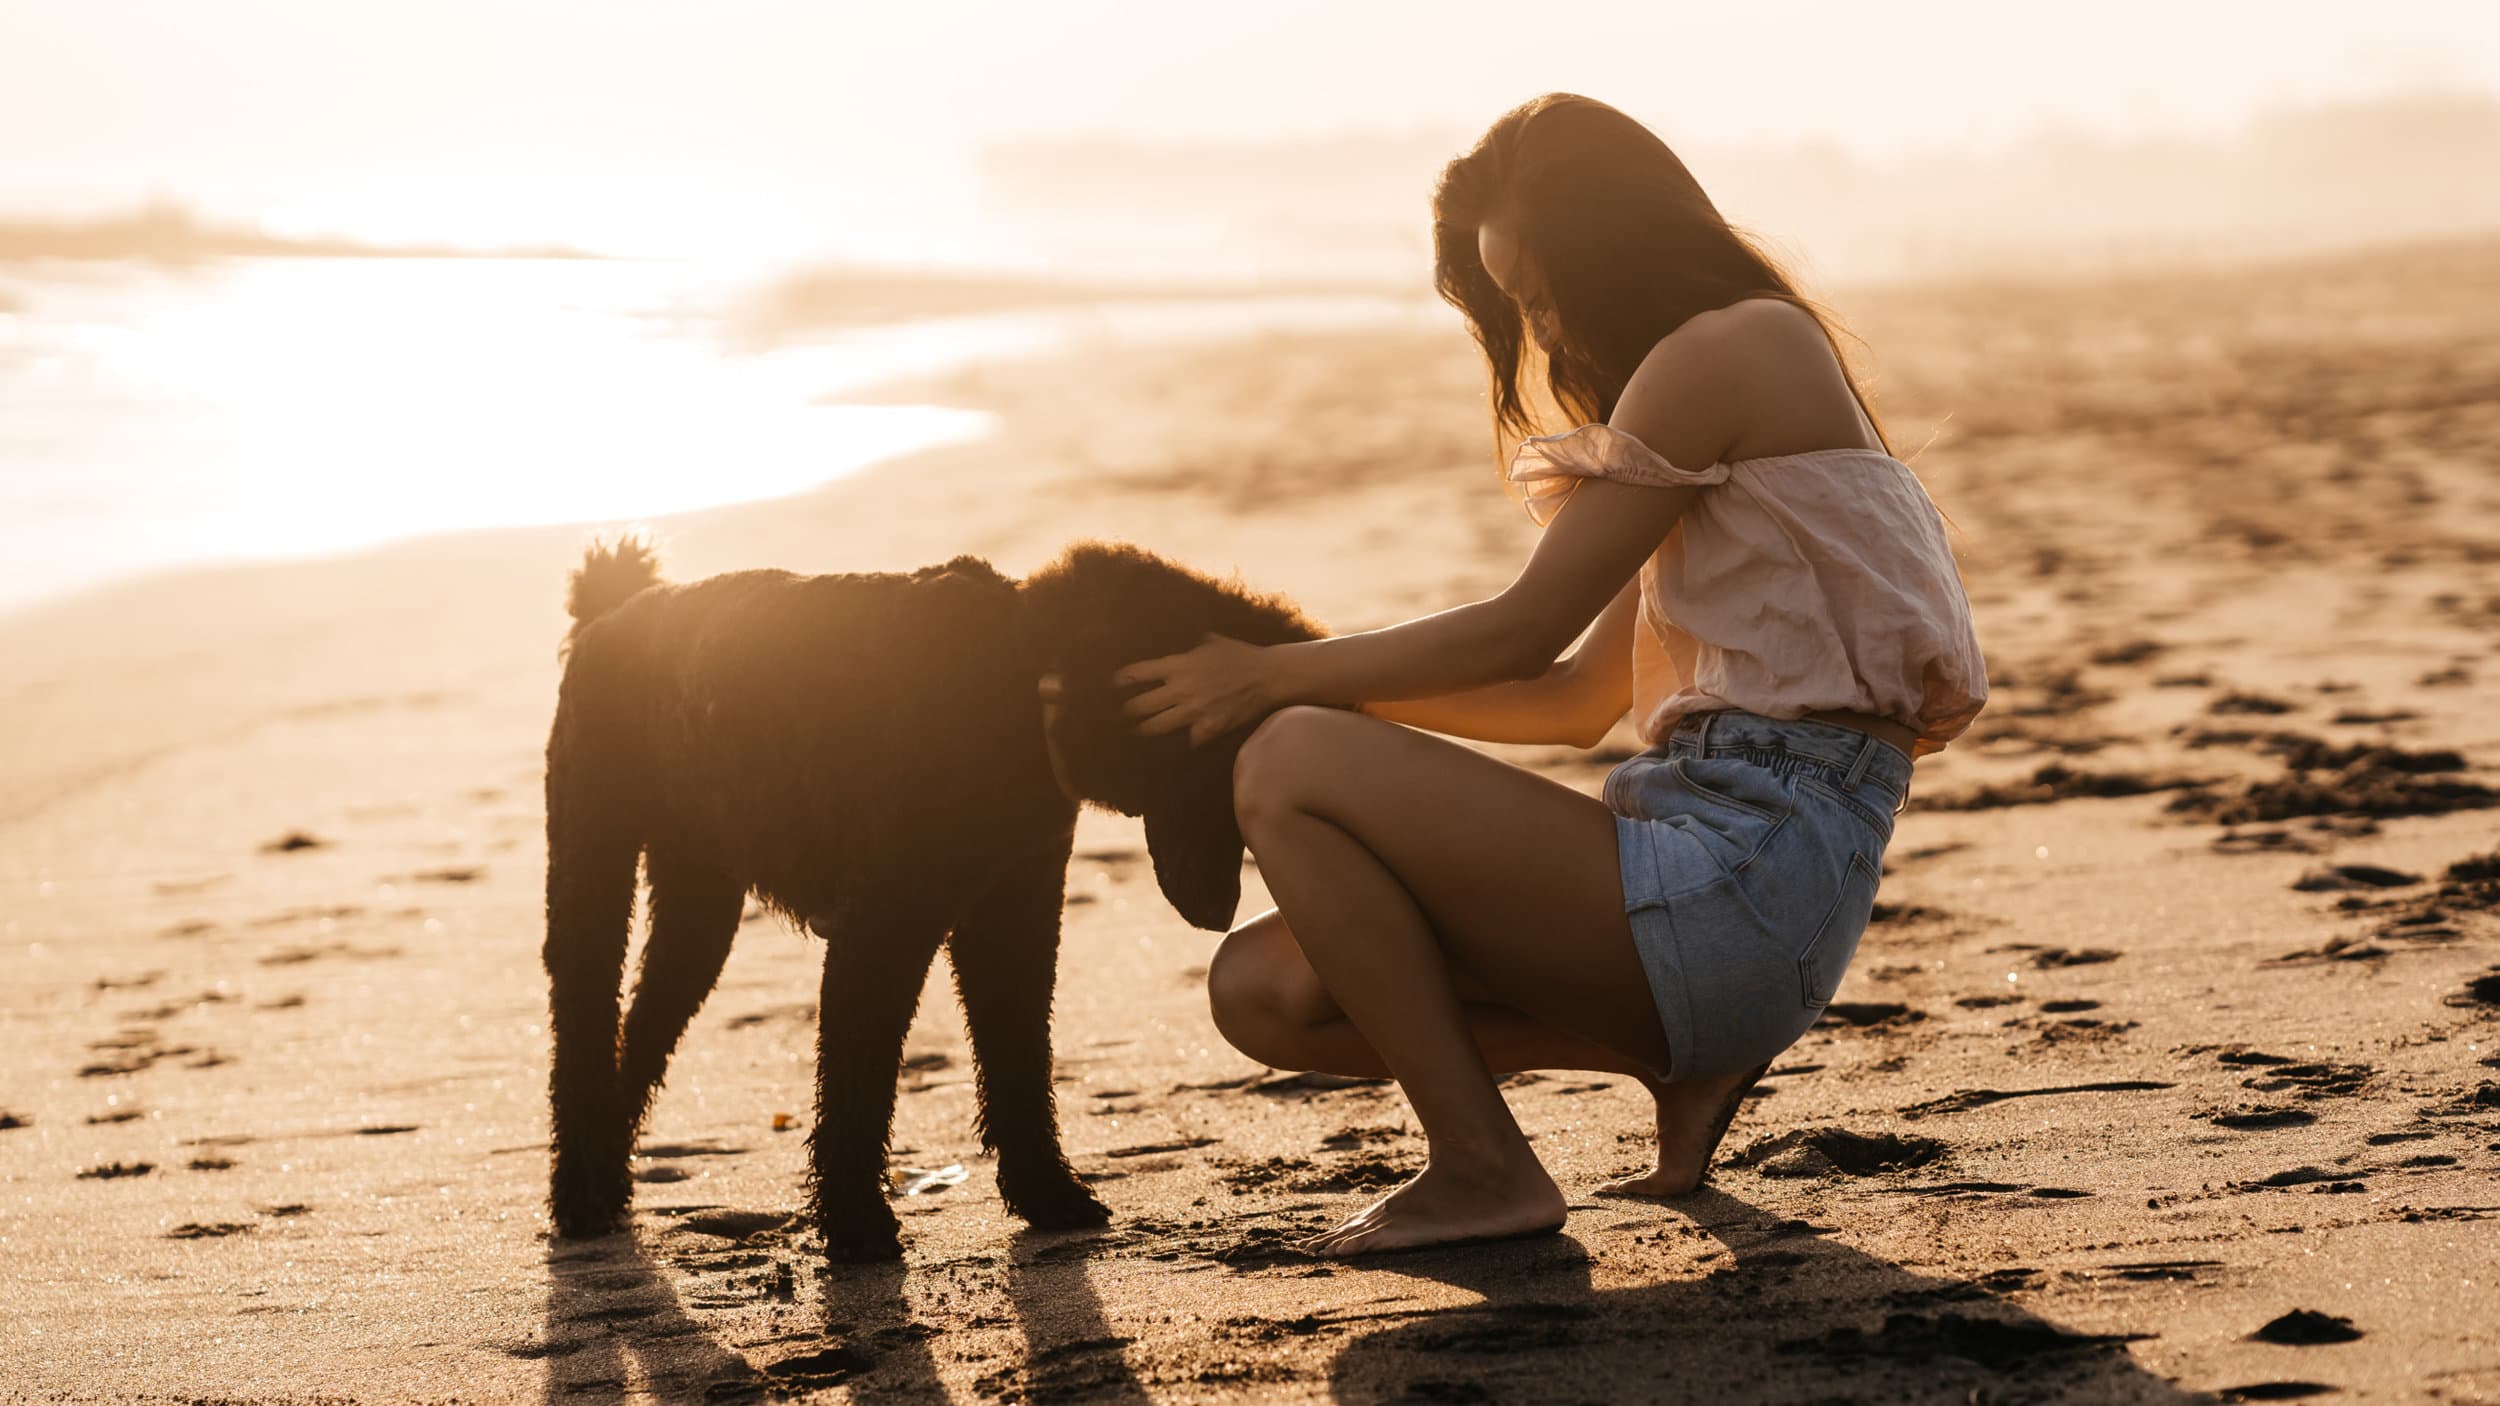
point(274, 408)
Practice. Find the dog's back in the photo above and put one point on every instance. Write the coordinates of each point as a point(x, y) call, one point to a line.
point(771, 722)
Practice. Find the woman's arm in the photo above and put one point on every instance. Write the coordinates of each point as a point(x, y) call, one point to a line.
point(1685, 402)
point(1574, 702)
point(1587, 554)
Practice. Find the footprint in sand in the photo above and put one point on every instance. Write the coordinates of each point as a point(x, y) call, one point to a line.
point(2307, 1328)
point(2057, 781)
point(2251, 1117)
point(1871, 1014)
point(2049, 958)
point(313, 952)
point(2331, 1181)
point(2483, 990)
point(131, 1052)
point(2344, 878)
point(735, 1225)
point(1926, 1339)
point(1964, 1100)
point(2322, 1079)
point(1809, 1152)
point(2483, 1098)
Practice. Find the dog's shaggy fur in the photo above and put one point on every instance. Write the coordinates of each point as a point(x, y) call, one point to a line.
point(865, 754)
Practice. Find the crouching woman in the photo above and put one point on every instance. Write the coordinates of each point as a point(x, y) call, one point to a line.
point(1746, 568)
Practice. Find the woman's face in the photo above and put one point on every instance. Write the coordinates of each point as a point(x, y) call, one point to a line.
point(1498, 245)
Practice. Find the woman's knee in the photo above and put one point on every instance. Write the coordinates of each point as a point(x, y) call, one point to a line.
point(1262, 992)
point(1277, 760)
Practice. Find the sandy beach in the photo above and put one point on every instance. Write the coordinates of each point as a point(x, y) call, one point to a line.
point(2169, 1072)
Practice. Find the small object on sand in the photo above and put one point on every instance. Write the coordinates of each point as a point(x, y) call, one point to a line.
point(914, 1181)
point(783, 1122)
point(292, 841)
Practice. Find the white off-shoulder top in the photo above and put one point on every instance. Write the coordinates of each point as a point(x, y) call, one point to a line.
point(1798, 582)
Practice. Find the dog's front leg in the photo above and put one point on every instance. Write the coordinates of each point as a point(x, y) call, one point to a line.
point(1006, 957)
point(875, 965)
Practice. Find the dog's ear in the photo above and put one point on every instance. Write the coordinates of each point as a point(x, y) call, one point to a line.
point(1104, 760)
point(1195, 842)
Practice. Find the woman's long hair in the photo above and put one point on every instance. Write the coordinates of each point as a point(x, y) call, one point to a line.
point(1627, 244)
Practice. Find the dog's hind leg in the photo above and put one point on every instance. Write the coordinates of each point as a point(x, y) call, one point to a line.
point(694, 917)
point(1006, 957)
point(590, 910)
point(876, 959)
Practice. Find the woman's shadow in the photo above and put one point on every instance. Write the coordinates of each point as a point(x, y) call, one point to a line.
point(1781, 1313)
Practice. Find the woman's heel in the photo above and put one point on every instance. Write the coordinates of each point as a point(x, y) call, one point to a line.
point(1727, 1117)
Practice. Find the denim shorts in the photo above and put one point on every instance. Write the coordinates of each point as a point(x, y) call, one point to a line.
point(1751, 848)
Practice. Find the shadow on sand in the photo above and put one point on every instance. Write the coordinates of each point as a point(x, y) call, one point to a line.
point(1779, 1312)
point(615, 1327)
point(1782, 1314)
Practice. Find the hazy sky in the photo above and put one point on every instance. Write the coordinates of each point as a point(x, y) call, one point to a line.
point(747, 125)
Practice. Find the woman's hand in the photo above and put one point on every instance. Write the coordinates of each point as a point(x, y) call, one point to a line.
point(1221, 685)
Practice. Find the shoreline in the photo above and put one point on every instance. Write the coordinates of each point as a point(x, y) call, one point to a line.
point(838, 379)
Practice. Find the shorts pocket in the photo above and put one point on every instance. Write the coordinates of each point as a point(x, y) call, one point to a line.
point(1826, 958)
point(1877, 825)
point(1746, 786)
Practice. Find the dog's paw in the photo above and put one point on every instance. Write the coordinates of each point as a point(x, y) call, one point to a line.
point(863, 1239)
point(1065, 1206)
point(587, 1218)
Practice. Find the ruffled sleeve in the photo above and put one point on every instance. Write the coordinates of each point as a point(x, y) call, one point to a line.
point(1548, 467)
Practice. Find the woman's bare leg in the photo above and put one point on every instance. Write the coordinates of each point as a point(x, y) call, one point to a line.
point(1399, 856)
point(1271, 1006)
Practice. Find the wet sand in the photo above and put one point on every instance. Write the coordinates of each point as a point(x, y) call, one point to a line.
point(2170, 1069)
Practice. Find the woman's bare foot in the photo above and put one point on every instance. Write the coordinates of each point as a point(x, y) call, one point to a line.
point(1446, 1204)
point(1692, 1117)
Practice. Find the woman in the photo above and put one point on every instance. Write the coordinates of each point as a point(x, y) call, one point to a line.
point(1774, 599)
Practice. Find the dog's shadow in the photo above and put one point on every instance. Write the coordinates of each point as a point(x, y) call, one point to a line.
point(1781, 1313)
point(615, 1327)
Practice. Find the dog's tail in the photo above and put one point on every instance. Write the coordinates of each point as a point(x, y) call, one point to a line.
point(610, 574)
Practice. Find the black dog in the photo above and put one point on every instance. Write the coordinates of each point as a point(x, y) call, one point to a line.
point(865, 753)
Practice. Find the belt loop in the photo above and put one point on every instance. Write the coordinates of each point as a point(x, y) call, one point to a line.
point(1865, 758)
point(1701, 735)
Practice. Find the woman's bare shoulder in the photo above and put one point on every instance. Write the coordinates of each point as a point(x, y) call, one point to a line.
point(1756, 332)
point(1753, 379)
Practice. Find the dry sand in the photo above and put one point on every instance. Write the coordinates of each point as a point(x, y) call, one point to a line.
point(2169, 1026)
